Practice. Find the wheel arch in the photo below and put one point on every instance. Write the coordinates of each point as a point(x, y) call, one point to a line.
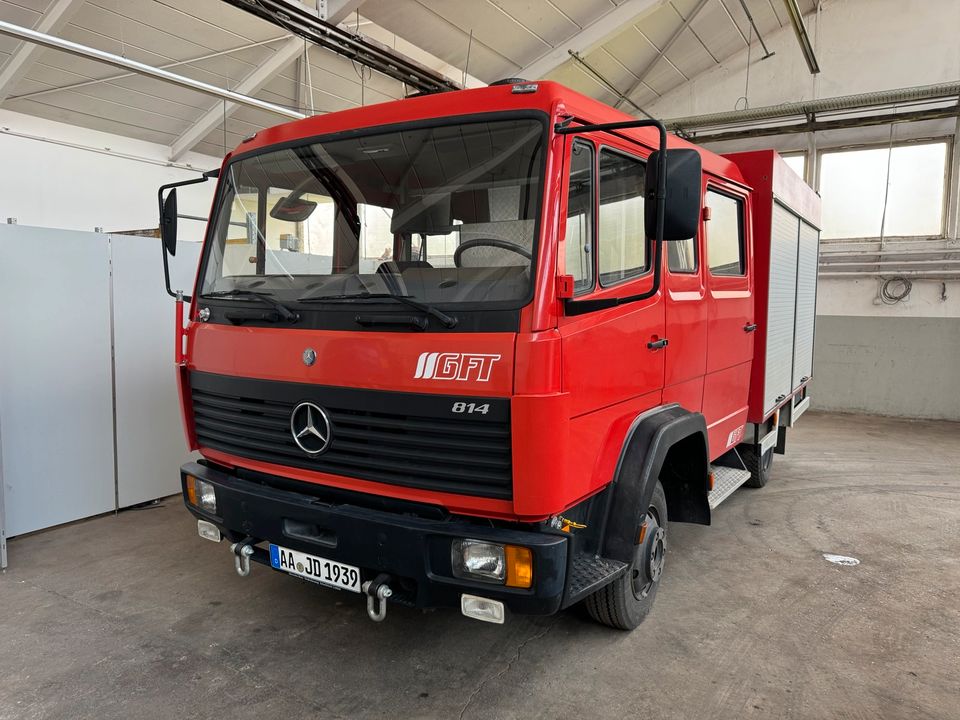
point(667, 443)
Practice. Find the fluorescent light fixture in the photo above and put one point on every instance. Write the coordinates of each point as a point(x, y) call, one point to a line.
point(796, 19)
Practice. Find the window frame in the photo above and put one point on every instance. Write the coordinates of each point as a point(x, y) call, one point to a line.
point(741, 201)
point(648, 245)
point(951, 148)
point(592, 224)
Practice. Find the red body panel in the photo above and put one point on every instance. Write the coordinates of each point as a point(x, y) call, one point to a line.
point(575, 383)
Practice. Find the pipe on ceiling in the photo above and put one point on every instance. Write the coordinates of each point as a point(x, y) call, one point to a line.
point(805, 109)
point(67, 46)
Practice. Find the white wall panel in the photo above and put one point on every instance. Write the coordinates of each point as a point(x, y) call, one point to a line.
point(150, 442)
point(55, 385)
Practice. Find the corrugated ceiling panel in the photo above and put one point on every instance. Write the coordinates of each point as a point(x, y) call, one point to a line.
point(492, 27)
point(137, 18)
point(42, 77)
point(660, 25)
point(583, 12)
point(440, 37)
point(717, 30)
point(689, 56)
point(18, 14)
point(95, 121)
point(246, 27)
point(576, 78)
point(540, 17)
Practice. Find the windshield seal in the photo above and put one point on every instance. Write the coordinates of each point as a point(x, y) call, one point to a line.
point(220, 201)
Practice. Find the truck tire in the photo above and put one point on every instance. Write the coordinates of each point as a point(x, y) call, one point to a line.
point(758, 465)
point(624, 603)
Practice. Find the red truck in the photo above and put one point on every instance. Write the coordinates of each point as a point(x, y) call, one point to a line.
point(475, 349)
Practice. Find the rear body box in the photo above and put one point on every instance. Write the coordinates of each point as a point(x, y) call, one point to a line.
point(786, 238)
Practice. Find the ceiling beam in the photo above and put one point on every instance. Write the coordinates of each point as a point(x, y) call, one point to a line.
point(648, 68)
point(284, 55)
point(340, 10)
point(590, 36)
point(52, 21)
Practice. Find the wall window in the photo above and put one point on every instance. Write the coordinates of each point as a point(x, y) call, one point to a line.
point(797, 162)
point(861, 199)
point(578, 240)
point(623, 241)
point(725, 244)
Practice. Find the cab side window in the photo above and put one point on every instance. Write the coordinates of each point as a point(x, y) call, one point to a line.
point(682, 255)
point(623, 241)
point(579, 234)
point(725, 241)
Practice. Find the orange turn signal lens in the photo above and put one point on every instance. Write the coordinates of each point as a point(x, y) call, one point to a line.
point(191, 483)
point(519, 566)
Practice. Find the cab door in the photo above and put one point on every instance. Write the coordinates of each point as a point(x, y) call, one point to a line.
point(686, 322)
point(730, 314)
point(613, 361)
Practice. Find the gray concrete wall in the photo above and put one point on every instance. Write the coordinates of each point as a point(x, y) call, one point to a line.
point(902, 366)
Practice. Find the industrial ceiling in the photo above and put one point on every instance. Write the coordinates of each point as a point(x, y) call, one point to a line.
point(640, 48)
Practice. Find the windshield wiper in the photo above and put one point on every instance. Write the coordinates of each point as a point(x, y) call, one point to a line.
point(283, 311)
point(447, 320)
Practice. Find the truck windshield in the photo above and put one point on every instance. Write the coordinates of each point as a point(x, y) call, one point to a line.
point(445, 215)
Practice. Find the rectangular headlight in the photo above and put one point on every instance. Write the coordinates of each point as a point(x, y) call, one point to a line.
point(202, 494)
point(478, 560)
point(206, 496)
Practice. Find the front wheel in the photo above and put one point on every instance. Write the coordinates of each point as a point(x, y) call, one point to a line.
point(626, 602)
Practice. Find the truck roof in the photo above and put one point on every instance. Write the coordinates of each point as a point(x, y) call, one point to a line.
point(549, 97)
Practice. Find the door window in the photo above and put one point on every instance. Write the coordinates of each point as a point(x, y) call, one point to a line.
point(623, 242)
point(578, 240)
point(682, 255)
point(725, 244)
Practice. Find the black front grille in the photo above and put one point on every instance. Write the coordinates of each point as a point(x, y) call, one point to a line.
point(415, 440)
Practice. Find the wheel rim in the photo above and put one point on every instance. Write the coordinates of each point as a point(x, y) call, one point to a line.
point(766, 460)
point(648, 563)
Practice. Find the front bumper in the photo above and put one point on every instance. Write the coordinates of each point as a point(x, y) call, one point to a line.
point(413, 550)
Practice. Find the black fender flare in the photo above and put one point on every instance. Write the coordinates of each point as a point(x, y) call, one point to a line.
point(650, 437)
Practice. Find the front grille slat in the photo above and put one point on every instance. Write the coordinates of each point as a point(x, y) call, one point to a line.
point(396, 438)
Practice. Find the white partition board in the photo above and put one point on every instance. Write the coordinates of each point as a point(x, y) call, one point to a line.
point(150, 442)
point(56, 409)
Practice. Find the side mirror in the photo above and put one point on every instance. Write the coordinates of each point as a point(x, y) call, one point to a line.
point(681, 216)
point(168, 222)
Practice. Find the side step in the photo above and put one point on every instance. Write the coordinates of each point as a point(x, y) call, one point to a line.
point(589, 573)
point(725, 481)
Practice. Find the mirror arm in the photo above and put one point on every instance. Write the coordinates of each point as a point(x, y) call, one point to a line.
point(163, 188)
point(579, 307)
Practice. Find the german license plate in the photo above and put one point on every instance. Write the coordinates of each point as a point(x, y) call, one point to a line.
point(316, 569)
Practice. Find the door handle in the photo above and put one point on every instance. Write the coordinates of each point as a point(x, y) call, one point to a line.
point(749, 327)
point(657, 344)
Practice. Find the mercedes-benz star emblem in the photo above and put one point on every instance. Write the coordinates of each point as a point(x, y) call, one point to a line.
point(311, 428)
point(309, 357)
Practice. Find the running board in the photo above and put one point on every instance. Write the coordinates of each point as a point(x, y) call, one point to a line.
point(725, 481)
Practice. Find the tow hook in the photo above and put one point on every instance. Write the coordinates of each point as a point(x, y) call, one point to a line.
point(378, 592)
point(241, 557)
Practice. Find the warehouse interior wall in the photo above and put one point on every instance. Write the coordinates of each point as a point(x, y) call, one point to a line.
point(892, 359)
point(71, 178)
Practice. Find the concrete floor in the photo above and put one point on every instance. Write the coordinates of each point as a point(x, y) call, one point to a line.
point(134, 616)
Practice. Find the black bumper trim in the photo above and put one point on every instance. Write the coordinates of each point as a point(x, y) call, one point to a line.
point(414, 550)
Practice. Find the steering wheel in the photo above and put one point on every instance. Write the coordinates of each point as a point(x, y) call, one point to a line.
point(490, 242)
